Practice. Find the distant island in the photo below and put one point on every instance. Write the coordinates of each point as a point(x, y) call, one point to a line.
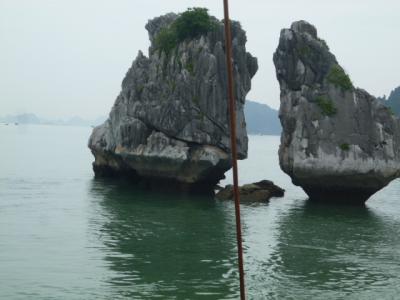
point(393, 101)
point(32, 119)
point(260, 119)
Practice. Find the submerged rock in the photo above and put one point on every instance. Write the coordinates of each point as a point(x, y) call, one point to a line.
point(338, 142)
point(254, 192)
point(169, 123)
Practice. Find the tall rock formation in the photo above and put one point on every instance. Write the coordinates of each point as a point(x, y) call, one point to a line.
point(338, 142)
point(169, 123)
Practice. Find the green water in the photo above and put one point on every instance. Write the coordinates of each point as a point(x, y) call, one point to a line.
point(65, 235)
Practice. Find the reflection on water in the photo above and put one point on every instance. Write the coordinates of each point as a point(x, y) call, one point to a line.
point(333, 250)
point(163, 245)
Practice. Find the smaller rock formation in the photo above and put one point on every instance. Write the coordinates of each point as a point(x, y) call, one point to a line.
point(338, 143)
point(254, 192)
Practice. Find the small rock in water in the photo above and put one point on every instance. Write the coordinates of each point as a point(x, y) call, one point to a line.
point(254, 192)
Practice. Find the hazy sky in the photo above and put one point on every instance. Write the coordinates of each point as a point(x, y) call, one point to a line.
point(64, 58)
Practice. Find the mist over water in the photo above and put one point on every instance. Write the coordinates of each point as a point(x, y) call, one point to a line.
point(66, 235)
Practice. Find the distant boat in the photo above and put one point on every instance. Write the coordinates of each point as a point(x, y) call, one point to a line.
point(16, 124)
point(6, 124)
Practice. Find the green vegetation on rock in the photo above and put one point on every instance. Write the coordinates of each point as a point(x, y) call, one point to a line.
point(190, 67)
point(326, 105)
point(166, 40)
point(196, 100)
point(191, 24)
point(345, 147)
point(140, 88)
point(304, 51)
point(338, 77)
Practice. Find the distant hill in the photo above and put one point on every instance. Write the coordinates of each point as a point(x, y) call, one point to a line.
point(261, 119)
point(21, 119)
point(33, 119)
point(393, 101)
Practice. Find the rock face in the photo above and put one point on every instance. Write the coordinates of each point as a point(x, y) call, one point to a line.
point(338, 142)
point(254, 192)
point(170, 121)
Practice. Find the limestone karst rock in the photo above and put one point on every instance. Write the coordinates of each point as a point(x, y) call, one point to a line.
point(169, 123)
point(261, 191)
point(338, 142)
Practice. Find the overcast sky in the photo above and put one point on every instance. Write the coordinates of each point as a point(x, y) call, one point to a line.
point(61, 58)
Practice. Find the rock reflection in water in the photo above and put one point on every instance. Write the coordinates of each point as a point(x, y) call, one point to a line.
point(333, 250)
point(165, 245)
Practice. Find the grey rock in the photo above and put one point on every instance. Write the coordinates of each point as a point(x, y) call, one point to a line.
point(254, 192)
point(170, 120)
point(345, 154)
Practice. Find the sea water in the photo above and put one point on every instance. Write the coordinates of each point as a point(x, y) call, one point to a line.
point(66, 235)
